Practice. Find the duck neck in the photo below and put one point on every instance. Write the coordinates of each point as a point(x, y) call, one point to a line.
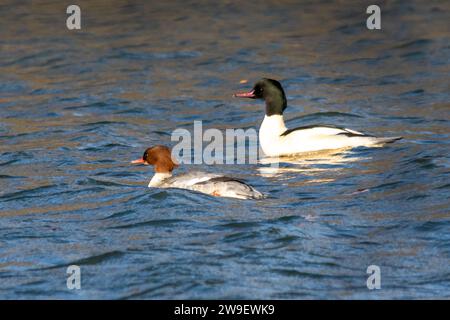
point(159, 178)
point(275, 103)
point(272, 125)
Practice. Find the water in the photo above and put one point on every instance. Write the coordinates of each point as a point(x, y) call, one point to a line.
point(77, 106)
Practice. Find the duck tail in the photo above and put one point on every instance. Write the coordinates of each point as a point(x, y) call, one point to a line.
point(387, 140)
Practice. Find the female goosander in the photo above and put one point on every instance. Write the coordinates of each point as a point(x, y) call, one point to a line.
point(212, 184)
point(276, 140)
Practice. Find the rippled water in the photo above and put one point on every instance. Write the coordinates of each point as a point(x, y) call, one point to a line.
point(77, 106)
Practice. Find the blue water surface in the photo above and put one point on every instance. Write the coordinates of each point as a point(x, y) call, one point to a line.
point(77, 106)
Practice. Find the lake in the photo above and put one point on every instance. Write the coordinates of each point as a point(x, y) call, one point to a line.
point(76, 106)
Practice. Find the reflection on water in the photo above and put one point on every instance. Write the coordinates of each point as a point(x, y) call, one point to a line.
point(310, 163)
point(76, 107)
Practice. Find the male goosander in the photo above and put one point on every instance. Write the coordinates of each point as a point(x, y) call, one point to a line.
point(213, 184)
point(276, 140)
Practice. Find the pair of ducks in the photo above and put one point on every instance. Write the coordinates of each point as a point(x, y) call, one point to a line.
point(275, 140)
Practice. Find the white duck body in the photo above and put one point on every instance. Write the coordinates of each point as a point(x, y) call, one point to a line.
point(212, 184)
point(276, 140)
